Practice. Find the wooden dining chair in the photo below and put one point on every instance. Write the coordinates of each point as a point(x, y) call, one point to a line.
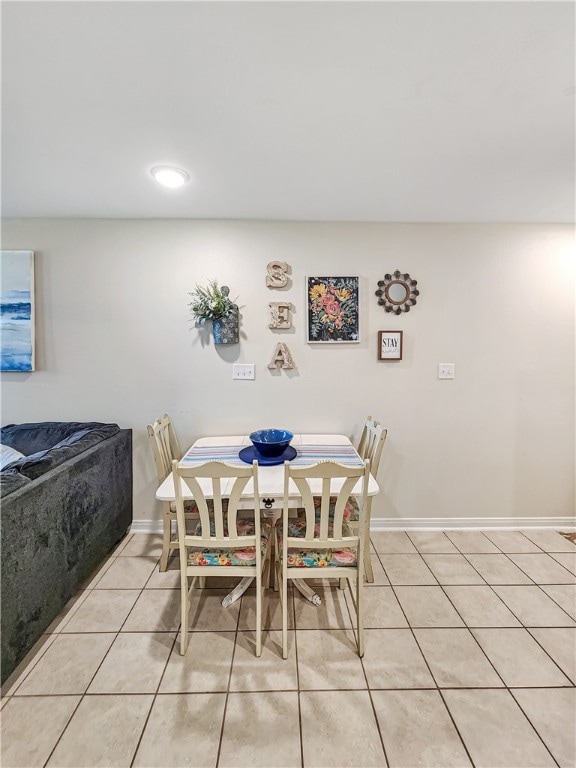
point(319, 543)
point(166, 448)
point(363, 442)
point(370, 447)
point(223, 544)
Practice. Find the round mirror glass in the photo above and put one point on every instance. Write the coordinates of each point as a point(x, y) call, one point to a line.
point(397, 292)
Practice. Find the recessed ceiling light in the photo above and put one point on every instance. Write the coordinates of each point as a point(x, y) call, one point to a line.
point(170, 177)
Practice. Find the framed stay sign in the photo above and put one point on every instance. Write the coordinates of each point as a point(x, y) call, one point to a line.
point(389, 345)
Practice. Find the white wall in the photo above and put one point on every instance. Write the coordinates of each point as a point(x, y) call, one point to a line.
point(115, 342)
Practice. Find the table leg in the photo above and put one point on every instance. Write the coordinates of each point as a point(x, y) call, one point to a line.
point(272, 516)
point(307, 592)
point(237, 592)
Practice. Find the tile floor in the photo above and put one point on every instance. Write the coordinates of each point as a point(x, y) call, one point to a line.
point(470, 660)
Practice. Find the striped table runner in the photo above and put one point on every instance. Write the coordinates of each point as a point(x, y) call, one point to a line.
point(305, 455)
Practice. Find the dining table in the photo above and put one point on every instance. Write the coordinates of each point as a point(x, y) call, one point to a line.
point(309, 448)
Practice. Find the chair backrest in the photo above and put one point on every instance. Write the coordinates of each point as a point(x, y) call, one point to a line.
point(330, 484)
point(371, 443)
point(217, 488)
point(362, 443)
point(165, 445)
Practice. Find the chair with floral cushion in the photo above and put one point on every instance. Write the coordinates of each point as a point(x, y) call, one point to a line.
point(370, 447)
point(223, 543)
point(320, 539)
point(166, 448)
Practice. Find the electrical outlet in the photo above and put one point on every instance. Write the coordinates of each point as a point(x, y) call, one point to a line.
point(445, 370)
point(243, 371)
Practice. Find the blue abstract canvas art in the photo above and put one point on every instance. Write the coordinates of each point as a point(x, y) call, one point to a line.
point(17, 310)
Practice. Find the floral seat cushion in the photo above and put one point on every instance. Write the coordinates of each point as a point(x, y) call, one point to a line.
point(351, 510)
point(230, 555)
point(189, 506)
point(315, 558)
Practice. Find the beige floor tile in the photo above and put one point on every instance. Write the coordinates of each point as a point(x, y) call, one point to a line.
point(432, 542)
point(204, 668)
point(533, 607)
point(207, 614)
point(27, 664)
point(392, 543)
point(392, 659)
point(380, 579)
point(267, 673)
point(102, 611)
point(117, 548)
point(3, 702)
point(428, 607)
point(417, 730)
point(104, 731)
point(339, 729)
point(567, 559)
point(499, 569)
point(553, 713)
point(549, 541)
point(23, 746)
point(512, 541)
point(452, 569)
point(456, 659)
point(495, 731)
point(68, 665)
point(271, 611)
point(407, 570)
point(134, 663)
point(518, 658)
point(95, 577)
point(127, 573)
point(156, 610)
point(381, 609)
point(332, 614)
point(543, 569)
point(142, 544)
point(564, 595)
point(328, 658)
point(169, 579)
point(560, 643)
point(472, 542)
point(58, 624)
point(183, 730)
point(481, 606)
point(273, 738)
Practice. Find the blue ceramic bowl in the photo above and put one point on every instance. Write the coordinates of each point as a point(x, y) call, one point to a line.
point(271, 442)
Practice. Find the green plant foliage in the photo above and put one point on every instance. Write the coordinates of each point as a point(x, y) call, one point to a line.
point(211, 303)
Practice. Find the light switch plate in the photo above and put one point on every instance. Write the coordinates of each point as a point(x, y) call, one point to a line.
point(445, 370)
point(243, 371)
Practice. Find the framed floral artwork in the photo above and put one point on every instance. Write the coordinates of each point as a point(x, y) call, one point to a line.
point(332, 309)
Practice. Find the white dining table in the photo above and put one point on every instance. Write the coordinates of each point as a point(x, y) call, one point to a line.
point(310, 449)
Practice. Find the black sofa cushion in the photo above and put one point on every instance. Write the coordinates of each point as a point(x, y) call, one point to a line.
point(78, 437)
point(39, 463)
point(40, 436)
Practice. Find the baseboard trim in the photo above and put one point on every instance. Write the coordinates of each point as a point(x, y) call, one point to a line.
point(427, 524)
point(471, 523)
point(146, 526)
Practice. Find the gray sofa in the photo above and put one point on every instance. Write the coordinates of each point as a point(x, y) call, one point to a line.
point(63, 506)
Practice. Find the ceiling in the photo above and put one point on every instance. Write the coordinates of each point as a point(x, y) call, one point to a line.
point(356, 111)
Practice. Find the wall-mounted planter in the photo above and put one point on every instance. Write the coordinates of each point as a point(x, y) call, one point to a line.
point(214, 304)
point(226, 330)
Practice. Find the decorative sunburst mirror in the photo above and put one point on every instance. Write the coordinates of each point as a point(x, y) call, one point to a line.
point(397, 292)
